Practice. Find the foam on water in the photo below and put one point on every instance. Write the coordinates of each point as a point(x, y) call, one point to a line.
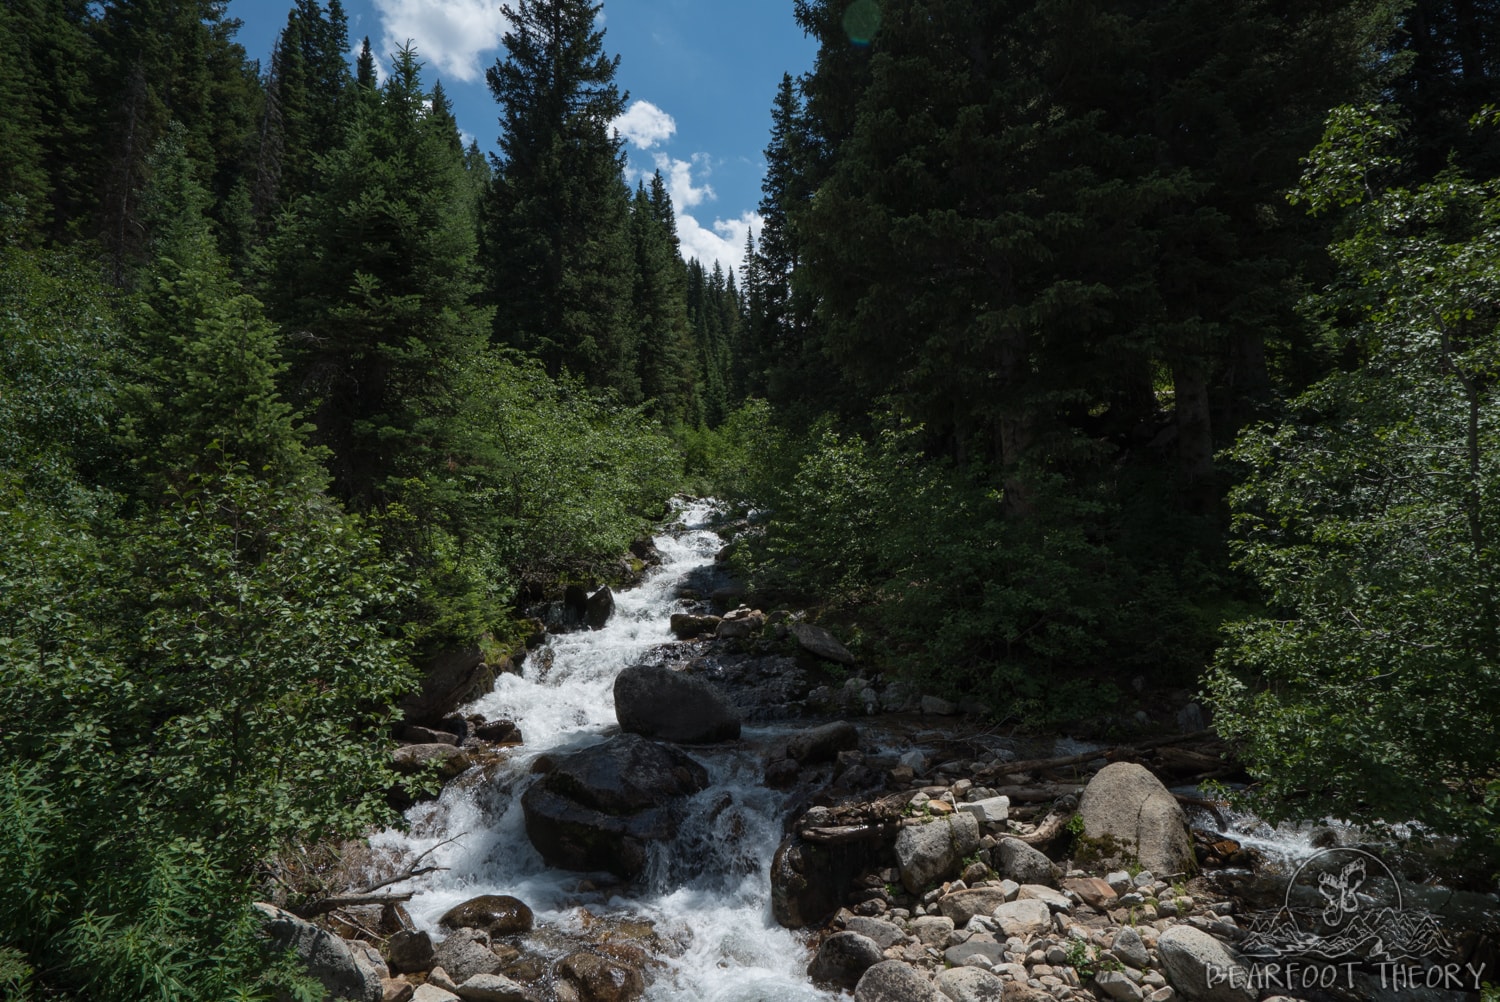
point(709, 891)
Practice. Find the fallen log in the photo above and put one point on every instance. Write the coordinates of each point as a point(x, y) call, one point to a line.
point(1119, 753)
point(849, 833)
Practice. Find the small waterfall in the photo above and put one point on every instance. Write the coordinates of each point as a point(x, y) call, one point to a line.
point(708, 892)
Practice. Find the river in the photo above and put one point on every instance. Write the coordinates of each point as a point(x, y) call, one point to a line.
point(708, 893)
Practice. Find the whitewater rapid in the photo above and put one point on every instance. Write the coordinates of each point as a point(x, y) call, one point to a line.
point(707, 894)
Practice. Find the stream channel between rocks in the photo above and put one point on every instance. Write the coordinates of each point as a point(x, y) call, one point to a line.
point(707, 892)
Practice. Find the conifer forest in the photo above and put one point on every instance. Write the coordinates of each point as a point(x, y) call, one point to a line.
point(1082, 343)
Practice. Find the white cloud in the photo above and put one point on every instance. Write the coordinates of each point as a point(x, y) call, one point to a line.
point(724, 243)
point(645, 125)
point(449, 35)
point(678, 174)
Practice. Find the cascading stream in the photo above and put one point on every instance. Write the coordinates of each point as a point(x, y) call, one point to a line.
point(709, 891)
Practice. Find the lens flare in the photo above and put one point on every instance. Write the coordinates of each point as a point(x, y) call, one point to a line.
point(861, 21)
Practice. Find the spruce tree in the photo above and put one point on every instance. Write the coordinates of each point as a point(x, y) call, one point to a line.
point(376, 272)
point(308, 97)
point(665, 354)
point(557, 222)
point(161, 62)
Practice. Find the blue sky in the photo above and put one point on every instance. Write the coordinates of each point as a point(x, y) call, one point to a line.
point(701, 75)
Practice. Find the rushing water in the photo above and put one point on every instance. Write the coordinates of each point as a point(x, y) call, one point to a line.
point(708, 893)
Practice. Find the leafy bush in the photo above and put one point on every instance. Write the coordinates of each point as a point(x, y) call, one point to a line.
point(745, 460)
point(964, 596)
point(180, 694)
point(548, 476)
point(1369, 517)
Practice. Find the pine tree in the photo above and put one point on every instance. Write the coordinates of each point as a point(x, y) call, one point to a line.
point(557, 222)
point(308, 98)
point(377, 267)
point(787, 337)
point(161, 62)
point(750, 355)
point(659, 300)
point(203, 395)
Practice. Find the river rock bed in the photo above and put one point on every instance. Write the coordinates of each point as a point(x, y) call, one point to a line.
point(921, 858)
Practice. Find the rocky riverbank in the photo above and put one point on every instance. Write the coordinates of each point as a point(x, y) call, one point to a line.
point(922, 857)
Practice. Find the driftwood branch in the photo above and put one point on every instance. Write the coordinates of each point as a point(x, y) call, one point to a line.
point(1051, 827)
point(322, 906)
point(367, 895)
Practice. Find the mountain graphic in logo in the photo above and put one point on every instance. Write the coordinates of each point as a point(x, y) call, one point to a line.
point(1345, 905)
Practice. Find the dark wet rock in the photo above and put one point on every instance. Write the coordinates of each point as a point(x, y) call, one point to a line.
point(415, 735)
point(741, 624)
point(448, 759)
point(500, 732)
point(818, 641)
point(761, 687)
point(686, 625)
point(658, 702)
point(843, 958)
point(599, 607)
point(496, 914)
point(408, 950)
point(600, 980)
point(808, 880)
point(822, 744)
point(449, 678)
point(780, 773)
point(600, 808)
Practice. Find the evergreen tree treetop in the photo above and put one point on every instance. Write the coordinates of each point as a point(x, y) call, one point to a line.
point(557, 78)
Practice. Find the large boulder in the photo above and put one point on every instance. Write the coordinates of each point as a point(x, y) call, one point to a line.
point(808, 879)
point(599, 607)
point(1022, 863)
point(449, 760)
point(961, 906)
point(659, 702)
point(325, 956)
point(601, 808)
point(493, 988)
point(465, 953)
point(885, 934)
point(843, 958)
point(927, 853)
point(1124, 802)
point(1024, 918)
point(449, 679)
point(818, 641)
point(822, 744)
point(409, 950)
point(893, 981)
point(1201, 968)
point(970, 984)
point(686, 626)
point(601, 980)
point(496, 914)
